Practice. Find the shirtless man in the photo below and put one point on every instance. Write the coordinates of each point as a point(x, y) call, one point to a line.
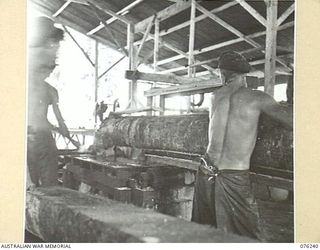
point(42, 153)
point(223, 195)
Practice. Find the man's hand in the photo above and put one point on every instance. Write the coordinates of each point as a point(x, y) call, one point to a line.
point(63, 130)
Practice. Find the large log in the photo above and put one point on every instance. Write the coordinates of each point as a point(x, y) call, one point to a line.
point(189, 134)
point(63, 215)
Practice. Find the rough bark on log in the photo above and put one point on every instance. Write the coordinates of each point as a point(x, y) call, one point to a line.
point(189, 134)
point(63, 215)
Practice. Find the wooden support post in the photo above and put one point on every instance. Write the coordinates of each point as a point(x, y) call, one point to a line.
point(191, 38)
point(132, 66)
point(96, 77)
point(149, 104)
point(162, 104)
point(271, 43)
point(155, 59)
point(156, 44)
point(191, 47)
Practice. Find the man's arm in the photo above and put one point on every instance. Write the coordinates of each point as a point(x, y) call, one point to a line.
point(56, 110)
point(283, 114)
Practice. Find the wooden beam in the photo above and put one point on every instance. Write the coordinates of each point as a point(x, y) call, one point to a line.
point(96, 76)
point(136, 110)
point(145, 35)
point(286, 14)
point(271, 43)
point(253, 12)
point(180, 163)
point(224, 44)
point(156, 44)
point(63, 7)
point(162, 104)
point(78, 45)
point(191, 37)
point(226, 25)
point(188, 89)
point(197, 19)
point(109, 31)
point(112, 66)
point(121, 12)
point(154, 77)
point(235, 31)
point(132, 66)
point(98, 5)
point(164, 14)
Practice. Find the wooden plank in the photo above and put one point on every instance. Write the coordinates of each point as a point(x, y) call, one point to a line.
point(272, 181)
point(164, 14)
point(154, 77)
point(253, 12)
point(271, 43)
point(169, 161)
point(286, 14)
point(137, 110)
point(123, 11)
point(194, 88)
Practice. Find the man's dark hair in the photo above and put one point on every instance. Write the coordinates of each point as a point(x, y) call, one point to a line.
point(44, 30)
point(235, 62)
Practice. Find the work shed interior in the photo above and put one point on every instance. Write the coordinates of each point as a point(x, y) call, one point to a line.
point(150, 69)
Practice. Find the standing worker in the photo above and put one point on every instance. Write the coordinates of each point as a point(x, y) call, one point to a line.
point(42, 153)
point(223, 195)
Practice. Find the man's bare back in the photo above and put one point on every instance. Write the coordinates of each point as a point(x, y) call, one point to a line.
point(233, 124)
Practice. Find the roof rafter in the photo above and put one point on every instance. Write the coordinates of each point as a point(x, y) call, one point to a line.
point(122, 12)
point(164, 14)
point(253, 12)
point(108, 11)
point(224, 44)
point(63, 7)
point(286, 14)
point(197, 19)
